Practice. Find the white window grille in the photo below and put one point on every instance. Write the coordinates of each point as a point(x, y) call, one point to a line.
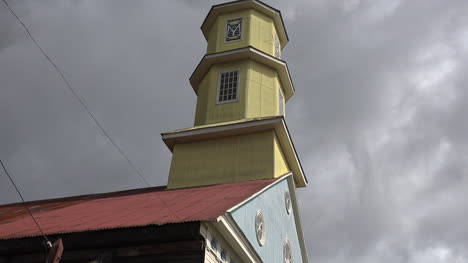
point(228, 86)
point(233, 30)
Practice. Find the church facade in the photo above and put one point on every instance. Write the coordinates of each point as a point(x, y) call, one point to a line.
point(231, 192)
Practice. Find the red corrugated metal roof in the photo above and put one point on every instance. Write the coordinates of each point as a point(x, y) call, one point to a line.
point(140, 207)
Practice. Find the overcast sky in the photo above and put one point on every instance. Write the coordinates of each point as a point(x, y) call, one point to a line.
point(379, 117)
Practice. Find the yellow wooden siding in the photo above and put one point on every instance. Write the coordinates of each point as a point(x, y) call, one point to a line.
point(202, 99)
point(262, 30)
point(281, 165)
point(212, 39)
point(258, 30)
point(262, 91)
point(230, 159)
point(208, 110)
point(258, 94)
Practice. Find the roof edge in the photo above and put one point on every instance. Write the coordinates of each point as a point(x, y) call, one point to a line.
point(278, 180)
point(87, 196)
point(276, 123)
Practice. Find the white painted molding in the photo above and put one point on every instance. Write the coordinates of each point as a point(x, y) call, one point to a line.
point(230, 230)
point(297, 219)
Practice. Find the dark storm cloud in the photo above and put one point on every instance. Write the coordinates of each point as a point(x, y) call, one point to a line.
point(380, 112)
point(385, 88)
point(112, 58)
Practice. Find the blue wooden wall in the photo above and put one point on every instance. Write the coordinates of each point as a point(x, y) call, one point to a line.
point(279, 224)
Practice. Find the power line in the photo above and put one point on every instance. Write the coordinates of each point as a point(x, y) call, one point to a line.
point(25, 206)
point(73, 92)
point(82, 103)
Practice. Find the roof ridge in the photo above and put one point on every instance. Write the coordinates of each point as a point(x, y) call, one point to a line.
point(115, 194)
point(87, 196)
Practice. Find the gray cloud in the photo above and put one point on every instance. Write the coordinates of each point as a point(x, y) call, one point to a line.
point(379, 116)
point(390, 89)
point(9, 30)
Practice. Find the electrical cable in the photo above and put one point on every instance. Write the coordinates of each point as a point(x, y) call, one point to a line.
point(83, 104)
point(73, 91)
point(25, 206)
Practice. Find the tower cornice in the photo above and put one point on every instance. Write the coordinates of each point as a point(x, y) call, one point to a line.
point(244, 53)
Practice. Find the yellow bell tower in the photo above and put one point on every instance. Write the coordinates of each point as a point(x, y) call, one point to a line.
point(242, 86)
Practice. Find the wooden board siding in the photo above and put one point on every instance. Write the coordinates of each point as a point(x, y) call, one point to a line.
point(208, 110)
point(169, 243)
point(279, 224)
point(257, 93)
point(225, 160)
point(209, 232)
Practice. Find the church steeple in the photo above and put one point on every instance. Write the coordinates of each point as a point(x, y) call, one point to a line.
point(242, 75)
point(242, 86)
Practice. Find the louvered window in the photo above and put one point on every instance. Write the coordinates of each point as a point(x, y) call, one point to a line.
point(228, 86)
point(233, 30)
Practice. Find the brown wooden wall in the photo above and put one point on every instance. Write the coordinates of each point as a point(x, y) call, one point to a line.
point(178, 243)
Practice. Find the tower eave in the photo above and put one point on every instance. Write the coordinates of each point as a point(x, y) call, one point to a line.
point(245, 126)
point(244, 53)
point(229, 7)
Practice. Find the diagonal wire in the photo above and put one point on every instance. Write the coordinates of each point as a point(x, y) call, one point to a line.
point(73, 91)
point(25, 206)
point(78, 98)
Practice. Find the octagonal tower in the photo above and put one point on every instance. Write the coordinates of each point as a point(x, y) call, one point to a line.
point(242, 86)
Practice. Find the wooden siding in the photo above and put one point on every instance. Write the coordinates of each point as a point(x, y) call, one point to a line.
point(181, 243)
point(279, 224)
point(281, 165)
point(262, 30)
point(225, 160)
point(214, 256)
point(262, 91)
point(208, 110)
point(258, 93)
